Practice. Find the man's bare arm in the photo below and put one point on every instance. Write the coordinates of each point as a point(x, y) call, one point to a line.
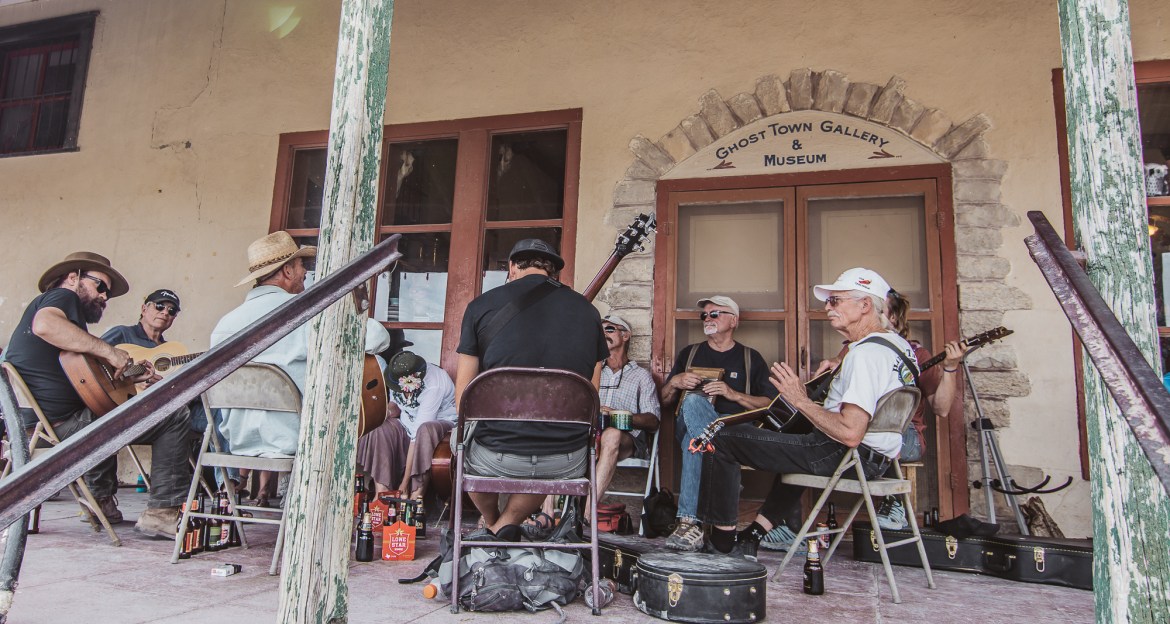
point(466, 368)
point(847, 426)
point(52, 326)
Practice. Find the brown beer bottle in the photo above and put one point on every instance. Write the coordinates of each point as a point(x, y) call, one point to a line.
point(215, 529)
point(365, 540)
point(814, 574)
point(233, 528)
point(359, 494)
point(184, 546)
point(195, 528)
point(420, 522)
point(831, 521)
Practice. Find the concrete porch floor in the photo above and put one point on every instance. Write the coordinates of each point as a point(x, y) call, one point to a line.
point(71, 574)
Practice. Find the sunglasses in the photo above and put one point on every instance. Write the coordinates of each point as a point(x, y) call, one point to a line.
point(834, 300)
point(170, 309)
point(609, 329)
point(101, 287)
point(714, 314)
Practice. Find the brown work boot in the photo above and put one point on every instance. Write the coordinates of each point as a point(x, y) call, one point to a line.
point(162, 522)
point(109, 507)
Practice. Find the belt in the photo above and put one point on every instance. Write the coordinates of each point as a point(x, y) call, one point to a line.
point(879, 460)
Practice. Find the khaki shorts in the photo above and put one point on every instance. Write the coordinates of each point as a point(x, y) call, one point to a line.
point(488, 463)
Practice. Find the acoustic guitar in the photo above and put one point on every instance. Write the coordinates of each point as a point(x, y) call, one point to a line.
point(95, 383)
point(783, 417)
point(631, 240)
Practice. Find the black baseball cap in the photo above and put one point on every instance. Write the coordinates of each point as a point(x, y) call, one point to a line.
point(163, 294)
point(535, 247)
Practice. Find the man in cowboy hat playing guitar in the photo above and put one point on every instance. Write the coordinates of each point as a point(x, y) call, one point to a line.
point(277, 269)
point(74, 294)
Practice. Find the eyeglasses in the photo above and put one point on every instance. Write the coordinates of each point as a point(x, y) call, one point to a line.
point(170, 309)
point(714, 314)
point(834, 300)
point(609, 329)
point(101, 287)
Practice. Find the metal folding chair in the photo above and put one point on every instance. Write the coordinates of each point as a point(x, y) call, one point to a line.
point(42, 439)
point(252, 386)
point(892, 415)
point(530, 395)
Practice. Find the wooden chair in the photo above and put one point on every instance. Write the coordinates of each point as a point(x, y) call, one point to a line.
point(252, 386)
point(528, 395)
point(42, 439)
point(892, 415)
point(652, 474)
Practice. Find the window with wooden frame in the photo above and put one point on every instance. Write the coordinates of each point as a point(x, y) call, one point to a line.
point(1153, 100)
point(461, 193)
point(765, 241)
point(42, 82)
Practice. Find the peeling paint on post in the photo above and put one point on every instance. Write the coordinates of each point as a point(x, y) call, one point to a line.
point(316, 554)
point(1131, 517)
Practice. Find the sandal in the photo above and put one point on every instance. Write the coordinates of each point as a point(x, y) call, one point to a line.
point(538, 527)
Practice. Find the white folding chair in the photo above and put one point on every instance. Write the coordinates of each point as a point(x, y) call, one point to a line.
point(892, 415)
point(42, 439)
point(652, 475)
point(252, 386)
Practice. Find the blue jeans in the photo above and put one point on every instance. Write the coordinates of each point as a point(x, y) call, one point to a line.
point(912, 450)
point(695, 415)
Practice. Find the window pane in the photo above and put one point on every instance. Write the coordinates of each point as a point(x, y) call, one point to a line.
point(59, 72)
point(308, 189)
point(497, 244)
point(51, 123)
point(428, 343)
point(886, 234)
point(15, 128)
point(527, 176)
point(421, 188)
point(22, 73)
point(416, 291)
point(767, 337)
point(732, 249)
point(310, 263)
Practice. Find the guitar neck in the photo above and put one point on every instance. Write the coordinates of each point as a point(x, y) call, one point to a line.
point(177, 360)
point(779, 408)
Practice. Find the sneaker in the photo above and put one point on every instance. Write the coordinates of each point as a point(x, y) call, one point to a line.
point(688, 537)
point(162, 522)
point(741, 550)
point(891, 514)
point(780, 538)
point(109, 507)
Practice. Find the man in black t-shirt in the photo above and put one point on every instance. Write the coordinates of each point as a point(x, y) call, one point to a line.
point(75, 292)
point(557, 328)
point(744, 386)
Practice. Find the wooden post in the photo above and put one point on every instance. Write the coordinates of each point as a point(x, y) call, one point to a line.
point(1131, 517)
point(316, 552)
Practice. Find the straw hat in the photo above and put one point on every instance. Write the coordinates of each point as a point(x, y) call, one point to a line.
point(85, 261)
point(268, 254)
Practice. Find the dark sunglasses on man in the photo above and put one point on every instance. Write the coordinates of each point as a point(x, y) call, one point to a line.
point(101, 287)
point(609, 329)
point(170, 309)
point(714, 314)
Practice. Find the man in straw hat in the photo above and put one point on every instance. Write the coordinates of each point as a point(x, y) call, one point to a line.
point(74, 294)
point(276, 269)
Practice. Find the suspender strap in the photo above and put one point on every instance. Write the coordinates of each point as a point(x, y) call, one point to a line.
point(905, 360)
point(747, 369)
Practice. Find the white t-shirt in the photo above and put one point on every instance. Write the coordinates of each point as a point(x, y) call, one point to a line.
point(435, 402)
point(868, 372)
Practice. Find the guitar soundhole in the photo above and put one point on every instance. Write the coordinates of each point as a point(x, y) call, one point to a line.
point(162, 364)
point(371, 384)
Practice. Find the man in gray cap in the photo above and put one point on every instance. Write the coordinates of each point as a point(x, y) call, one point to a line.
point(744, 386)
point(551, 327)
point(74, 294)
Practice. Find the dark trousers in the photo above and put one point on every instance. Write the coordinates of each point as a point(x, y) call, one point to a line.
point(780, 453)
point(170, 470)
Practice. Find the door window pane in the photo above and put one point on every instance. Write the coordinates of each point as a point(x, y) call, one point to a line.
point(767, 337)
point(497, 244)
point(308, 189)
point(885, 234)
point(420, 187)
point(527, 176)
point(428, 343)
point(416, 291)
point(732, 249)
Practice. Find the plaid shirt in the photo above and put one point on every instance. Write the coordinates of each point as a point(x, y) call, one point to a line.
point(631, 389)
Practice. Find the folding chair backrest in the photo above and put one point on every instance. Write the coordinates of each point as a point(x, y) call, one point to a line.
point(894, 410)
point(24, 398)
point(255, 386)
point(534, 394)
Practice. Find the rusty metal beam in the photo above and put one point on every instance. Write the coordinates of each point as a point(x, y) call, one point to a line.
point(32, 484)
point(1132, 383)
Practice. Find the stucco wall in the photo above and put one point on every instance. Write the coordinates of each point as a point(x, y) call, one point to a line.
point(185, 103)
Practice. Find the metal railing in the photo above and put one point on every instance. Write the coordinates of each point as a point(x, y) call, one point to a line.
point(1131, 381)
point(31, 484)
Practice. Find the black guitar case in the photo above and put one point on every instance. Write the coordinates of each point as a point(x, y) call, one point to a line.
point(1046, 560)
point(620, 555)
point(700, 588)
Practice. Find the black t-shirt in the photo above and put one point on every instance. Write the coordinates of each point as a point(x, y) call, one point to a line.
point(562, 330)
point(731, 361)
point(37, 361)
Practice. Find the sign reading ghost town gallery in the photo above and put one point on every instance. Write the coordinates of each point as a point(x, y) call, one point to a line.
point(804, 141)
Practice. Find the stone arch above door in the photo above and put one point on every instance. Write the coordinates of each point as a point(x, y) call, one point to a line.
point(979, 214)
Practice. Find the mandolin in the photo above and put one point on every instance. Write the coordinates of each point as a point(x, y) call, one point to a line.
point(631, 240)
point(94, 380)
point(785, 418)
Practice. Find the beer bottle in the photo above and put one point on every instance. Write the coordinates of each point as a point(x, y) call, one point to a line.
point(814, 574)
point(34, 521)
point(420, 522)
point(391, 514)
point(365, 540)
point(214, 534)
point(184, 547)
point(233, 528)
point(194, 530)
point(408, 513)
point(823, 538)
point(831, 521)
point(223, 507)
point(359, 494)
point(202, 524)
